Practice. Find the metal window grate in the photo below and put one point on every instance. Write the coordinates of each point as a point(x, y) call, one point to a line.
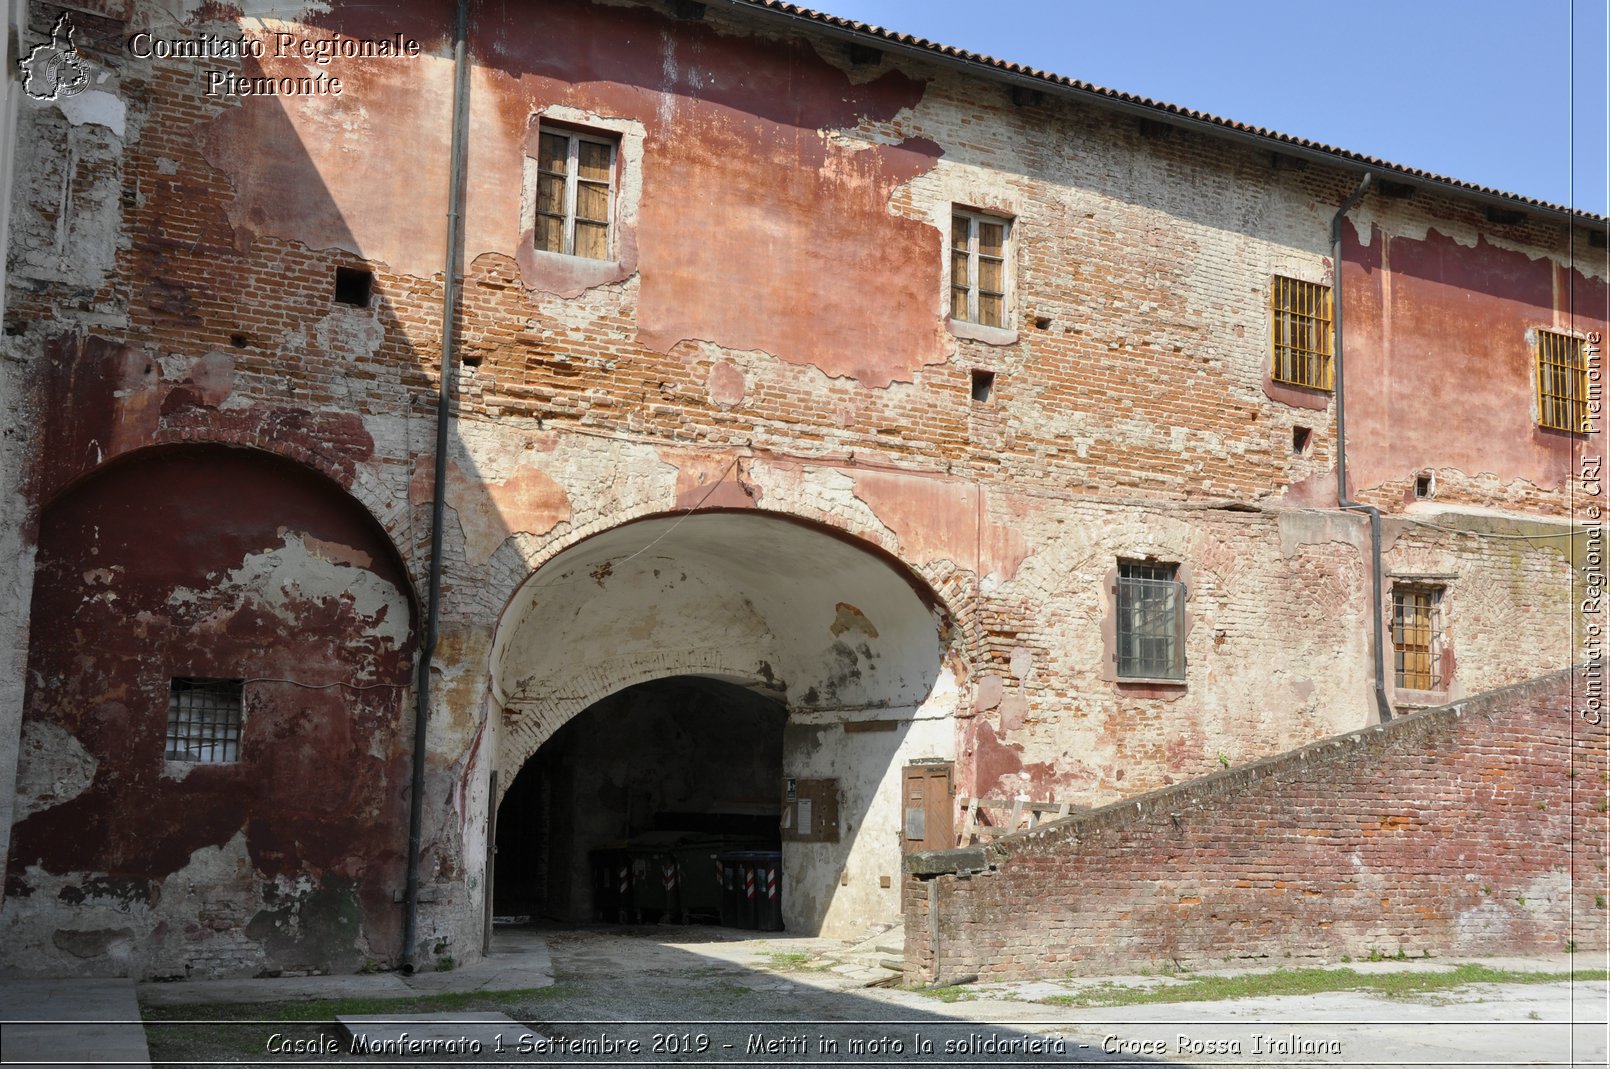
point(204, 718)
point(1562, 383)
point(1301, 314)
point(1417, 637)
point(1151, 622)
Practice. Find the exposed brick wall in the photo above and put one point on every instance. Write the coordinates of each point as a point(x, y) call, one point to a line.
point(1476, 828)
point(171, 282)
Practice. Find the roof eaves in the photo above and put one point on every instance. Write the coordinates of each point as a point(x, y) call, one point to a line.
point(1143, 106)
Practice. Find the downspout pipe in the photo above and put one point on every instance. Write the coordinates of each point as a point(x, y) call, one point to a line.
point(444, 415)
point(1378, 635)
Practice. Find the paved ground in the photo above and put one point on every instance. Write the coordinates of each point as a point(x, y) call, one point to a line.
point(713, 996)
point(70, 1022)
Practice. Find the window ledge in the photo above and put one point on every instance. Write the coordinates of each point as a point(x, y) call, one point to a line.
point(979, 332)
point(571, 258)
point(1420, 699)
point(1150, 681)
point(1310, 387)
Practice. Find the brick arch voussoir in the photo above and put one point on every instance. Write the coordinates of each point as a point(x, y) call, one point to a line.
point(524, 730)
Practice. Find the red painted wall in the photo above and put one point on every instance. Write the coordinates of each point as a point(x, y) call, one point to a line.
point(144, 574)
point(1440, 370)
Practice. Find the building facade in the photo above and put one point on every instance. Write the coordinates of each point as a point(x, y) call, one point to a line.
point(824, 405)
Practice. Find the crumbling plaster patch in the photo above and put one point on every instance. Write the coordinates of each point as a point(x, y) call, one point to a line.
point(294, 571)
point(52, 767)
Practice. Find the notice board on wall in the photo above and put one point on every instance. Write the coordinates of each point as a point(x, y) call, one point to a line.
point(810, 810)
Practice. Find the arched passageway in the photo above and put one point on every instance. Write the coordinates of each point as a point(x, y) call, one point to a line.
point(736, 614)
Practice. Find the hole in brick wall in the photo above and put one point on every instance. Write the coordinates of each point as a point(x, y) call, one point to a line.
point(1423, 486)
point(865, 56)
point(1505, 216)
point(15, 326)
point(983, 384)
point(1300, 437)
point(470, 359)
point(1042, 322)
point(353, 286)
point(239, 341)
point(1598, 238)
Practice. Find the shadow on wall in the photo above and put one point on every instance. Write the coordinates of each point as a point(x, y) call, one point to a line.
point(195, 494)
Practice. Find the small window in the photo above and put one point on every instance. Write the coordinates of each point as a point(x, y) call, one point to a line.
point(983, 385)
point(1417, 636)
point(353, 286)
point(1302, 333)
point(204, 720)
point(575, 193)
point(1151, 621)
point(978, 268)
point(1562, 383)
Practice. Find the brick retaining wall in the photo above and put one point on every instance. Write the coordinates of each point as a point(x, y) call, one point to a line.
point(1476, 828)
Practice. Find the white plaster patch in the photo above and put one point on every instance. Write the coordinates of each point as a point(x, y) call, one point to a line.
point(293, 570)
point(54, 767)
point(95, 106)
point(354, 332)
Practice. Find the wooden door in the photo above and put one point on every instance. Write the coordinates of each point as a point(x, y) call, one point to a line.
point(929, 815)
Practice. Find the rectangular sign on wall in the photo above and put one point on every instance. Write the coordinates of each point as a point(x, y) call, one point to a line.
point(810, 810)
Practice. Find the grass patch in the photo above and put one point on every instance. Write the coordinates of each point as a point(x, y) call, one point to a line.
point(952, 993)
point(1313, 982)
point(795, 961)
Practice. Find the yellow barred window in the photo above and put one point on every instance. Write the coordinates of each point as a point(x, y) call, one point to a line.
point(1301, 333)
point(1562, 383)
point(1417, 636)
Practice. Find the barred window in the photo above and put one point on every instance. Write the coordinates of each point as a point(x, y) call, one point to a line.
point(1562, 383)
point(204, 718)
point(1301, 316)
point(575, 185)
point(1151, 621)
point(1417, 636)
point(978, 268)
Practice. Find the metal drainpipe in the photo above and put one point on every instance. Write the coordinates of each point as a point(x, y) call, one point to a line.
point(444, 400)
point(1382, 704)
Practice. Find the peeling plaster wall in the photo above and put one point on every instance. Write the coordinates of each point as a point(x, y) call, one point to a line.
point(284, 860)
point(799, 615)
point(771, 336)
point(1447, 315)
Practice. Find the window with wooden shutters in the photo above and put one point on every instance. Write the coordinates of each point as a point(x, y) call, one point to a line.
point(978, 268)
point(575, 193)
point(1562, 383)
point(1417, 636)
point(1301, 332)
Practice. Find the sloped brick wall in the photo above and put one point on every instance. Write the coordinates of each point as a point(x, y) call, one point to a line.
point(1476, 828)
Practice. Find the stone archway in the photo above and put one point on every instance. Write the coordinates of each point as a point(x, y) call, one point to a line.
point(848, 640)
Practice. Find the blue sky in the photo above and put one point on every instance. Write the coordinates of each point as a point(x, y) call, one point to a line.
point(1477, 90)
